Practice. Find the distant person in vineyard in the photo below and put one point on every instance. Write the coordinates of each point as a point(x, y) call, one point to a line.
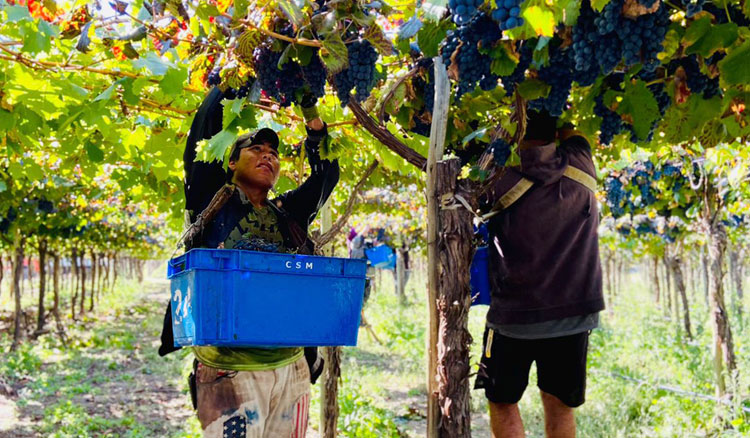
point(545, 279)
point(253, 392)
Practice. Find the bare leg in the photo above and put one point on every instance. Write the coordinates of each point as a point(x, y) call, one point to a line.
point(559, 419)
point(505, 420)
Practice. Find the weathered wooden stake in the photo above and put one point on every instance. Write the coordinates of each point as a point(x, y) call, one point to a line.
point(455, 250)
point(329, 389)
point(435, 154)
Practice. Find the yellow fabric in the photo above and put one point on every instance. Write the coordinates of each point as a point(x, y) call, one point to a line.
point(581, 177)
point(247, 359)
point(513, 194)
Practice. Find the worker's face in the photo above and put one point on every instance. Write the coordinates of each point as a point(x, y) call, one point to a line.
point(257, 165)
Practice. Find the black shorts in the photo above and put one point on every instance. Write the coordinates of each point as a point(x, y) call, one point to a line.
point(560, 364)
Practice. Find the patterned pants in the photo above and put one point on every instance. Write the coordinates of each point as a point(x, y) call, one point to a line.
point(254, 404)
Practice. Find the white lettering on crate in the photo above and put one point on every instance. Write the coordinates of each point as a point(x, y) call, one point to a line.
point(298, 265)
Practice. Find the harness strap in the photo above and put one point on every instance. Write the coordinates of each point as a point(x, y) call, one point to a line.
point(525, 184)
point(581, 177)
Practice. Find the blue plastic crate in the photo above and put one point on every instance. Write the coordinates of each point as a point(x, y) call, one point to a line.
point(480, 278)
point(229, 297)
point(381, 256)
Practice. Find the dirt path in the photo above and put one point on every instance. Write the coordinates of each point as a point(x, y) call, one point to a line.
point(110, 382)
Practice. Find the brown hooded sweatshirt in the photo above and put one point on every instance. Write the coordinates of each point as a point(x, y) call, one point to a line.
point(544, 251)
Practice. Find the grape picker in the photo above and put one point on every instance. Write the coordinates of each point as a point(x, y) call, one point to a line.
point(252, 392)
point(546, 280)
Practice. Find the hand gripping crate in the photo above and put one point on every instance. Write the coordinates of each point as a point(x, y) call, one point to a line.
point(381, 256)
point(227, 297)
point(480, 278)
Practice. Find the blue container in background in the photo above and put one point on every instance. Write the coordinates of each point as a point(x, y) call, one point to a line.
point(480, 278)
point(381, 256)
point(227, 297)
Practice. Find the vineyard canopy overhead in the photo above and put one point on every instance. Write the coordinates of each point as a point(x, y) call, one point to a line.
point(89, 83)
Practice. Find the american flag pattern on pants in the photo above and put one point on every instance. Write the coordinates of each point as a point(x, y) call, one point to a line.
point(235, 427)
point(254, 404)
point(301, 410)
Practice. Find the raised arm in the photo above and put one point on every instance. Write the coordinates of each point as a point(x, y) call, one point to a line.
point(202, 179)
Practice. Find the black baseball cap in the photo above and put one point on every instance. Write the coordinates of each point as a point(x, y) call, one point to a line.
point(263, 135)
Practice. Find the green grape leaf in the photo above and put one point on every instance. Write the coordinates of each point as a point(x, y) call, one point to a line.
point(374, 34)
point(502, 63)
point(17, 13)
point(293, 10)
point(334, 53)
point(697, 30)
point(640, 105)
point(173, 81)
point(716, 38)
point(205, 10)
point(430, 36)
point(94, 153)
point(7, 120)
point(531, 89)
point(598, 5)
point(153, 62)
point(541, 20)
point(734, 67)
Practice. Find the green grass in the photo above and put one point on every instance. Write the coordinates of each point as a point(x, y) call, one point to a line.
point(111, 382)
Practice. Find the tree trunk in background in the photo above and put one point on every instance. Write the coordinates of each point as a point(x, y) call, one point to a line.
point(667, 282)
point(42, 284)
point(114, 272)
point(56, 292)
point(17, 265)
point(723, 344)
point(82, 257)
point(2, 273)
point(92, 291)
point(704, 262)
point(455, 250)
point(655, 279)
point(400, 277)
point(74, 281)
point(675, 265)
point(735, 268)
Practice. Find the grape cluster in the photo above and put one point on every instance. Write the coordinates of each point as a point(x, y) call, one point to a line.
point(508, 14)
point(602, 40)
point(463, 46)
point(464, 10)
point(314, 74)
point(696, 81)
point(611, 125)
point(500, 151)
point(426, 85)
point(420, 127)
point(559, 76)
point(692, 7)
point(615, 195)
point(526, 52)
point(360, 75)
point(214, 77)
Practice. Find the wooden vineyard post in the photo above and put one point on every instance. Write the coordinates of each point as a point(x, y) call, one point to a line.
point(435, 154)
point(454, 300)
point(329, 407)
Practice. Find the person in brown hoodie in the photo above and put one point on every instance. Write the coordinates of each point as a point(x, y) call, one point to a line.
point(545, 277)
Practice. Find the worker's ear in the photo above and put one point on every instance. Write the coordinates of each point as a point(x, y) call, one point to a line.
point(232, 165)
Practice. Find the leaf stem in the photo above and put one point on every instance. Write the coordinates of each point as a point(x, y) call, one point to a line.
point(300, 41)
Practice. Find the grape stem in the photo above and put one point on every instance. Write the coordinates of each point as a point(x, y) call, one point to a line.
point(293, 40)
point(673, 6)
point(392, 91)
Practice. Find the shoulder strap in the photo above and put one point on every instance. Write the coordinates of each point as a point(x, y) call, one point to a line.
point(525, 184)
point(581, 177)
point(207, 215)
point(511, 196)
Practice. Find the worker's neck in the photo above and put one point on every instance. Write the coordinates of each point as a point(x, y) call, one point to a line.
point(256, 195)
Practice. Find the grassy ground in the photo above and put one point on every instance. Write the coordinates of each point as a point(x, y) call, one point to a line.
point(111, 382)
